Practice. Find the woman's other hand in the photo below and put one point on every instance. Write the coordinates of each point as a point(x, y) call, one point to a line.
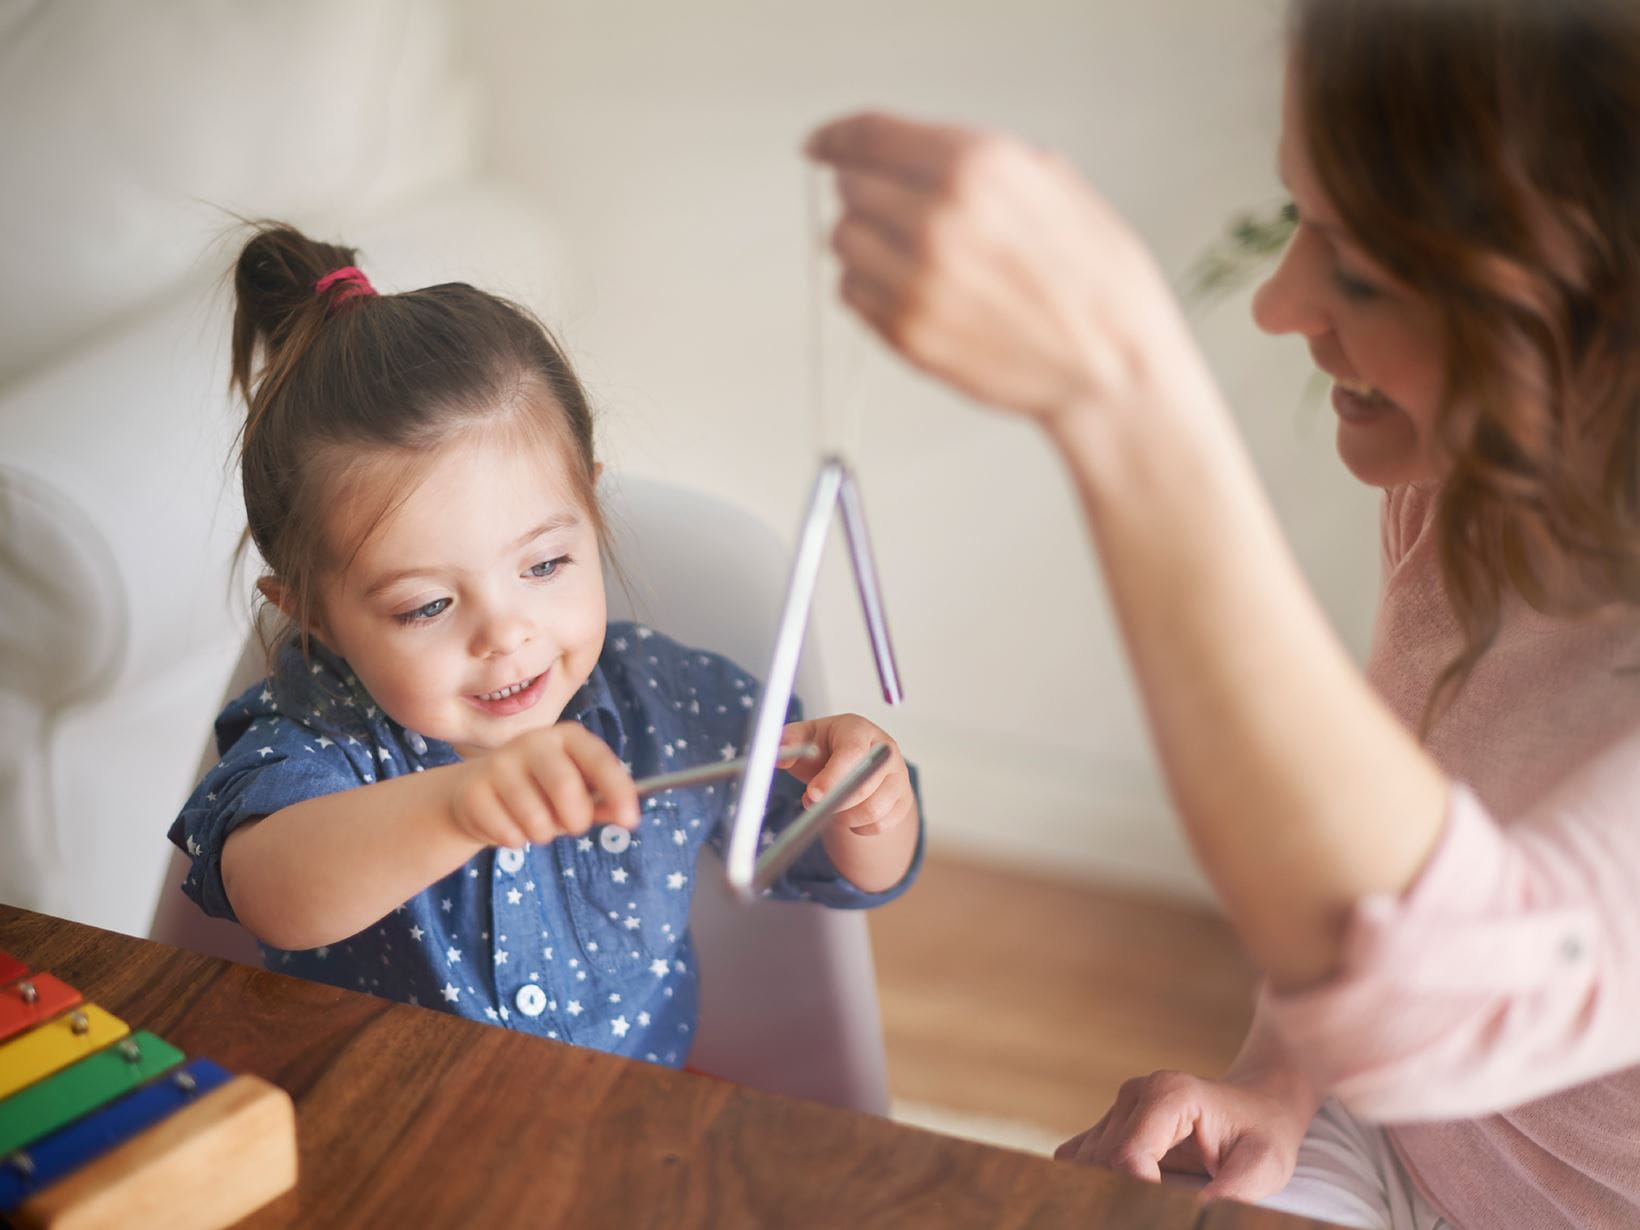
point(1241, 1134)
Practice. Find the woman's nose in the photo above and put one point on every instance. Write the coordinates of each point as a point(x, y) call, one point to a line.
point(1289, 301)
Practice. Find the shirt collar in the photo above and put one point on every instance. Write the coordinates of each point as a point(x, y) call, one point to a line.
point(594, 707)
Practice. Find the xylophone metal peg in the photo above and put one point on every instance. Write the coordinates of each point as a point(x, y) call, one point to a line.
point(79, 1024)
point(27, 991)
point(185, 1081)
point(131, 1051)
point(22, 1163)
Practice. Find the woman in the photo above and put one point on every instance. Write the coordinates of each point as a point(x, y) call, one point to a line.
point(1434, 864)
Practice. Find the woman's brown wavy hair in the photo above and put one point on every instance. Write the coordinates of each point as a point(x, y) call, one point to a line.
point(1487, 153)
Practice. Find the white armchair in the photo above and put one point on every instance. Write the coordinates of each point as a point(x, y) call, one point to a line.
point(131, 133)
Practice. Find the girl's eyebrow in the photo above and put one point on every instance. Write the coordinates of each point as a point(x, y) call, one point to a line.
point(558, 521)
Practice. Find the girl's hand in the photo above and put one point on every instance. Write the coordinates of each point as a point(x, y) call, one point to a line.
point(545, 783)
point(880, 803)
point(993, 266)
point(1243, 1136)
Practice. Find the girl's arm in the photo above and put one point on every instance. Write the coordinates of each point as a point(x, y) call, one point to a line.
point(318, 871)
point(991, 265)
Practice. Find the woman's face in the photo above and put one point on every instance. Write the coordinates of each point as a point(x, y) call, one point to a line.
point(1373, 335)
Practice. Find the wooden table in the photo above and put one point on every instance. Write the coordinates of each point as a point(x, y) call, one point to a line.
point(407, 1116)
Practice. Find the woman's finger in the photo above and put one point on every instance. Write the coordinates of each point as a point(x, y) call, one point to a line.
point(896, 211)
point(910, 150)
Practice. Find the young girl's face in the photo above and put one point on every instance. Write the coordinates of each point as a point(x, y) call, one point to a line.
point(475, 608)
point(1373, 335)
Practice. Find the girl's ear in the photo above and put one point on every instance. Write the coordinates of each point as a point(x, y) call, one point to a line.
point(280, 595)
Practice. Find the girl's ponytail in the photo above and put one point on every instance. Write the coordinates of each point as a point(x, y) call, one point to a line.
point(277, 308)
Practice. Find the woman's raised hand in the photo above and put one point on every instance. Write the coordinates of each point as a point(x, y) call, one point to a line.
point(993, 266)
point(543, 784)
point(1242, 1135)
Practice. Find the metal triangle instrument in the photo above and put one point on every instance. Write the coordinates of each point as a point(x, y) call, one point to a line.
point(835, 494)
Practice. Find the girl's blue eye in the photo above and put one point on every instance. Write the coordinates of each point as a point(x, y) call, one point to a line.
point(422, 613)
point(547, 567)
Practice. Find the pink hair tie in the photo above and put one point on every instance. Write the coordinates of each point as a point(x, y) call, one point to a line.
point(352, 281)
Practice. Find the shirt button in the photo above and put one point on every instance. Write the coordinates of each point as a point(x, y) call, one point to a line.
point(510, 860)
point(531, 999)
point(614, 838)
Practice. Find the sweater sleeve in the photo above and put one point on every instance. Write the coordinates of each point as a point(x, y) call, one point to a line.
point(1510, 969)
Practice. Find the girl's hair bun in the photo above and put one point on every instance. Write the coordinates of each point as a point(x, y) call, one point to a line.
point(274, 280)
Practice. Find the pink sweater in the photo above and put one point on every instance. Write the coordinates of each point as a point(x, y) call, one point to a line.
point(1491, 1015)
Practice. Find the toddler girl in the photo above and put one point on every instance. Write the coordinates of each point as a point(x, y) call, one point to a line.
point(431, 796)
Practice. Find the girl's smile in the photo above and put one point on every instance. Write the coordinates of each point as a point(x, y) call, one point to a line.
point(513, 698)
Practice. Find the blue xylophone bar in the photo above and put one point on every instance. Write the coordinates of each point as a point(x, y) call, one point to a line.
point(48, 1159)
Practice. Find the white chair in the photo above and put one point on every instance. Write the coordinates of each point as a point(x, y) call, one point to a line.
point(788, 991)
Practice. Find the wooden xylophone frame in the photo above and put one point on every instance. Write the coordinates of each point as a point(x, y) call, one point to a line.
point(101, 1127)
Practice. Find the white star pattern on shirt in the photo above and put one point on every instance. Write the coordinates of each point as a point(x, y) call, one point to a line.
point(264, 751)
point(446, 904)
point(573, 1007)
point(630, 923)
point(659, 967)
point(620, 1026)
point(500, 956)
point(643, 1018)
point(727, 751)
point(679, 837)
point(514, 896)
point(451, 993)
point(618, 875)
point(452, 955)
point(674, 880)
point(326, 741)
point(194, 848)
point(416, 933)
point(584, 845)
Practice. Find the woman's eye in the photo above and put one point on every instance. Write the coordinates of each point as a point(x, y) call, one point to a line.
point(547, 567)
point(1353, 288)
point(434, 608)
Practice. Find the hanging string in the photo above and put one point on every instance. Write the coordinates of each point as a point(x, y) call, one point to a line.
point(835, 405)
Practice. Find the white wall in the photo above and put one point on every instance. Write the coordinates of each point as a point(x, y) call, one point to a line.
point(664, 139)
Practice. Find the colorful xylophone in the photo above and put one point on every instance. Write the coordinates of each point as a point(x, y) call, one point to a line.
point(102, 1127)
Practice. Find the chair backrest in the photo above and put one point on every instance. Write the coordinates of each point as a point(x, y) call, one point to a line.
point(788, 991)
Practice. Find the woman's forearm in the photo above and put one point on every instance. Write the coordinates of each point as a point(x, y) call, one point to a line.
point(1299, 790)
point(326, 868)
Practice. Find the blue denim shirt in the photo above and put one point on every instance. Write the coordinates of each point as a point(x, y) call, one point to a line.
point(584, 939)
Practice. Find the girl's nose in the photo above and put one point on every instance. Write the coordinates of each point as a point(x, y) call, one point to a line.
point(1290, 300)
point(500, 633)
